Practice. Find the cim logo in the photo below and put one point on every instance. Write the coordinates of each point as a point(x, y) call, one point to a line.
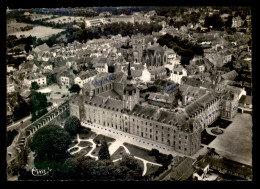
point(40, 172)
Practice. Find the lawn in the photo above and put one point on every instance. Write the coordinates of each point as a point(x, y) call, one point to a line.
point(118, 153)
point(101, 138)
point(84, 144)
point(38, 32)
point(151, 168)
point(221, 123)
point(95, 152)
point(82, 152)
point(206, 138)
point(89, 135)
point(140, 152)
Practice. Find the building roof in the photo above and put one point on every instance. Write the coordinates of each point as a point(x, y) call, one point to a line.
point(230, 75)
point(160, 98)
point(33, 76)
point(230, 165)
point(245, 99)
point(156, 70)
point(201, 102)
point(43, 47)
point(183, 170)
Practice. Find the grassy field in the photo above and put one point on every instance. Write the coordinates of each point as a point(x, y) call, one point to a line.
point(101, 138)
point(206, 138)
point(140, 152)
point(13, 26)
point(84, 144)
point(118, 153)
point(38, 32)
point(151, 168)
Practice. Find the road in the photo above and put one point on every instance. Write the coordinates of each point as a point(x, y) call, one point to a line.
point(26, 121)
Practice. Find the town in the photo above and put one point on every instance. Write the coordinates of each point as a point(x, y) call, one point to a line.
point(129, 93)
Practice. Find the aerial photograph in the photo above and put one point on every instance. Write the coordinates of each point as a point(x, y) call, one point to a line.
point(129, 93)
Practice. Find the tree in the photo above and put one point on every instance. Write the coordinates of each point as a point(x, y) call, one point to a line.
point(103, 153)
point(75, 88)
point(34, 85)
point(50, 145)
point(72, 125)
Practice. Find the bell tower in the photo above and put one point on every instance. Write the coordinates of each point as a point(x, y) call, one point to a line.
point(131, 93)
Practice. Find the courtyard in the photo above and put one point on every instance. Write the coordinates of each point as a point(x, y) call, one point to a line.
point(58, 95)
point(89, 145)
point(236, 141)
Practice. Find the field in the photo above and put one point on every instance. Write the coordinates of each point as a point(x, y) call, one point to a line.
point(66, 19)
point(38, 31)
point(14, 27)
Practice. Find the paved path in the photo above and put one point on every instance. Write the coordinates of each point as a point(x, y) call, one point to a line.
point(131, 139)
point(143, 160)
point(80, 148)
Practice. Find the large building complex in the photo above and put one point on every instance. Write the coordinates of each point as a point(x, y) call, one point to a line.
point(112, 100)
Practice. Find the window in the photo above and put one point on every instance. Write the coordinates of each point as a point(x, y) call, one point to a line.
point(185, 149)
point(150, 136)
point(179, 147)
point(168, 129)
point(156, 138)
point(150, 130)
point(156, 132)
point(179, 141)
point(186, 137)
point(162, 139)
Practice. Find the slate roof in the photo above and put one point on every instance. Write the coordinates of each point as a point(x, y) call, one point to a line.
point(43, 47)
point(245, 99)
point(230, 75)
point(156, 70)
point(201, 102)
point(183, 170)
point(32, 76)
point(161, 98)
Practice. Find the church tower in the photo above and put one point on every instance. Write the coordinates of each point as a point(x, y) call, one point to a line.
point(131, 93)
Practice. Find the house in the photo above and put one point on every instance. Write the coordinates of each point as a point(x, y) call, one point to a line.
point(94, 22)
point(202, 168)
point(85, 77)
point(35, 77)
point(230, 75)
point(30, 57)
point(10, 85)
point(157, 72)
point(66, 78)
point(71, 61)
point(100, 64)
point(245, 104)
point(177, 73)
point(47, 66)
point(183, 170)
point(41, 48)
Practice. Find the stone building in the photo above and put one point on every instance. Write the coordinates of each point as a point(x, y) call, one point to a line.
point(115, 104)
